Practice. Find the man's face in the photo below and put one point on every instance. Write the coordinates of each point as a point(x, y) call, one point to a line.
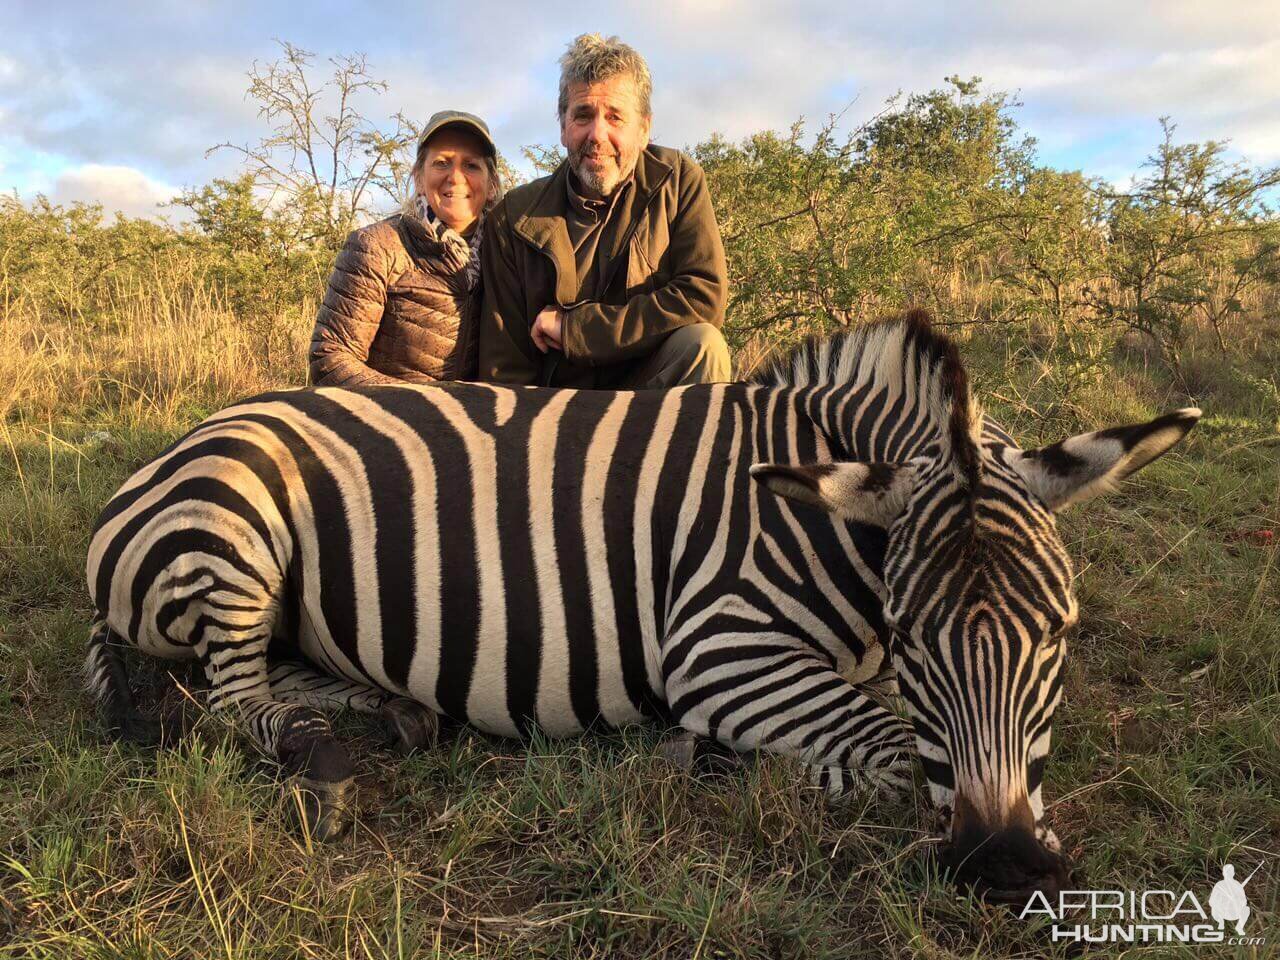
point(604, 131)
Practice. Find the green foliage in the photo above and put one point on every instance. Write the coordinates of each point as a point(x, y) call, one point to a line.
point(937, 201)
point(542, 157)
point(264, 258)
point(69, 261)
point(895, 213)
point(1187, 242)
point(323, 159)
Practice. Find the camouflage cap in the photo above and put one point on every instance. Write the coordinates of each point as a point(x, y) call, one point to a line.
point(458, 118)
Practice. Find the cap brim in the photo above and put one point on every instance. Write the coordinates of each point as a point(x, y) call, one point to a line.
point(490, 147)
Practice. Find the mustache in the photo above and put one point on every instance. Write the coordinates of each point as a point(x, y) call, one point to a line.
point(589, 153)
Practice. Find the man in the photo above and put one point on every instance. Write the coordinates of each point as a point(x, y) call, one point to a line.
point(609, 273)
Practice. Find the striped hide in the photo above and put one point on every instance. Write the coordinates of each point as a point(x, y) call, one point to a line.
point(742, 560)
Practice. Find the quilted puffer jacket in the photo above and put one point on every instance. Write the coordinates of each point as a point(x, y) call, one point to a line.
point(392, 313)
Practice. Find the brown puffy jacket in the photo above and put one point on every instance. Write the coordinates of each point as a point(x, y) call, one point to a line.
point(389, 316)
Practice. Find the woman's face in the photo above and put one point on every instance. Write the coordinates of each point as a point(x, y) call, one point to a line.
point(454, 177)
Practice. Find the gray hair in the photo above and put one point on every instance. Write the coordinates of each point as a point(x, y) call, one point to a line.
point(410, 205)
point(592, 58)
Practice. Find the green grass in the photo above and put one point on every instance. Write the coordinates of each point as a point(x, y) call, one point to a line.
point(1166, 760)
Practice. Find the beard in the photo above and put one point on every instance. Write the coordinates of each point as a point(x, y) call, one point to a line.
point(603, 179)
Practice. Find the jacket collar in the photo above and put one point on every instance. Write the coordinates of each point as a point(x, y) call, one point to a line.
point(416, 237)
point(543, 223)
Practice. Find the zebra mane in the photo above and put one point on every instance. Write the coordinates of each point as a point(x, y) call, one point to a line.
point(904, 356)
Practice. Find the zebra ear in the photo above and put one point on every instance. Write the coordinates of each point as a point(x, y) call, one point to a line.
point(873, 493)
point(1089, 464)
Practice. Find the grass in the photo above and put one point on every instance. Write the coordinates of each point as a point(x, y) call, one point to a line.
point(1166, 758)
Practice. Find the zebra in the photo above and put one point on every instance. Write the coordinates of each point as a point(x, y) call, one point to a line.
point(748, 561)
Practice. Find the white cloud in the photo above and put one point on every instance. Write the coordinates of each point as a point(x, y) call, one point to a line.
point(122, 189)
point(152, 86)
point(1089, 72)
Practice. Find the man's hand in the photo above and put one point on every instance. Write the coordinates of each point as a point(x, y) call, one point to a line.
point(546, 329)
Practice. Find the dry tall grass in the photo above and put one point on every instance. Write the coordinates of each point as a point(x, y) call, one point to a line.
point(156, 350)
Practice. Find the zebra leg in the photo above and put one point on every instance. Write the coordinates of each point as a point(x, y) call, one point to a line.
point(293, 681)
point(108, 683)
point(234, 658)
point(778, 695)
point(408, 724)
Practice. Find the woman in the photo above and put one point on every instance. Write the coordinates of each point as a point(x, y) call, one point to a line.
point(404, 296)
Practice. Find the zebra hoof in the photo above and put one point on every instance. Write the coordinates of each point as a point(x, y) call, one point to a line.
point(409, 725)
point(325, 809)
point(1049, 839)
point(699, 755)
point(136, 730)
point(324, 781)
point(179, 715)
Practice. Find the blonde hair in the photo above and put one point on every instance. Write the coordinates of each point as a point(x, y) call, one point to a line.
point(410, 204)
point(592, 58)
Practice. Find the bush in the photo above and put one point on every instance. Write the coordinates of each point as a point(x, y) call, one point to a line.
point(938, 202)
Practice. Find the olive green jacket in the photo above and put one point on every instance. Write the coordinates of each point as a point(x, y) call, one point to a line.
point(666, 269)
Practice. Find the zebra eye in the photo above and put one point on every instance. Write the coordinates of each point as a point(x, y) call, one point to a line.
point(1056, 624)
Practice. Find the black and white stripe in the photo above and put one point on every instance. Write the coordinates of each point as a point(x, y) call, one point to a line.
point(523, 557)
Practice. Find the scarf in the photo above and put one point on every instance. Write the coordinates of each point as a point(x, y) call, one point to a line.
point(456, 259)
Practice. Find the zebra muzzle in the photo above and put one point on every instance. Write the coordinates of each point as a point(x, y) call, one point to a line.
point(1006, 863)
point(1006, 866)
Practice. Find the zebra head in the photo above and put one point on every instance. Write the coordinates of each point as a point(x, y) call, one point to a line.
point(978, 590)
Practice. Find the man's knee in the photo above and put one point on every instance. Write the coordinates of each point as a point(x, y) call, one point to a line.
point(700, 353)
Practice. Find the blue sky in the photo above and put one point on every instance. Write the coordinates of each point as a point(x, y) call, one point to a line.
point(119, 102)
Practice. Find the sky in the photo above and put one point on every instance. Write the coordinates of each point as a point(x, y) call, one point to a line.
point(118, 103)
